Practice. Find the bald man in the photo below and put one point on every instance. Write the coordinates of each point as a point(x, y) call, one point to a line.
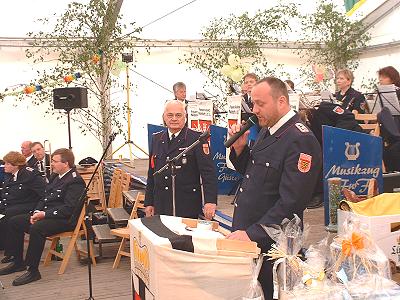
point(196, 181)
point(27, 152)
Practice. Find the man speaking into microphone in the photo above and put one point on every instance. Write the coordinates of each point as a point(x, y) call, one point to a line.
point(196, 182)
point(279, 172)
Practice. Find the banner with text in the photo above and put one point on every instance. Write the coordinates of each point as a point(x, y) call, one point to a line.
point(353, 157)
point(227, 178)
point(234, 109)
point(193, 115)
point(205, 114)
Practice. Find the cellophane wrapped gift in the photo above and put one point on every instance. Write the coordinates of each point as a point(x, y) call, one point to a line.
point(289, 238)
point(355, 254)
point(361, 265)
point(314, 283)
point(255, 291)
point(372, 286)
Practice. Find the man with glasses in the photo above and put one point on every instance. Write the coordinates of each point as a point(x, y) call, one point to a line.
point(53, 214)
point(196, 182)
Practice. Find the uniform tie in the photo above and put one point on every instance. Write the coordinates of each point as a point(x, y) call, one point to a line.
point(172, 138)
point(40, 166)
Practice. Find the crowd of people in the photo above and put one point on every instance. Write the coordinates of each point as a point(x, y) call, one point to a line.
point(281, 172)
point(36, 201)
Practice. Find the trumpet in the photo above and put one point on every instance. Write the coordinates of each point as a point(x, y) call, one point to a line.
point(47, 151)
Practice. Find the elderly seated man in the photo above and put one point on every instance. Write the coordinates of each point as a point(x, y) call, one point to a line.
point(54, 214)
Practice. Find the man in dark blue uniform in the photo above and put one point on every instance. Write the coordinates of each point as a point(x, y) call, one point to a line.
point(196, 183)
point(280, 171)
point(53, 214)
point(23, 187)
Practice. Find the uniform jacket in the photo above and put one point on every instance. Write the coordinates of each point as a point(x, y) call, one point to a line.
point(198, 162)
point(62, 195)
point(280, 173)
point(352, 100)
point(46, 166)
point(31, 162)
point(23, 193)
point(332, 115)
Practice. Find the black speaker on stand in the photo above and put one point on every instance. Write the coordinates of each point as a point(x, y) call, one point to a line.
point(69, 98)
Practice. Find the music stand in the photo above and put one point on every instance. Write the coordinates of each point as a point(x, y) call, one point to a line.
point(128, 58)
point(387, 96)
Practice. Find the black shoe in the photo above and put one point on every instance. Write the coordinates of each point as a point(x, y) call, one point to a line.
point(27, 277)
point(12, 268)
point(7, 259)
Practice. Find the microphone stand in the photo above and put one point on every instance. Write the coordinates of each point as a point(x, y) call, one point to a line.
point(88, 219)
point(171, 163)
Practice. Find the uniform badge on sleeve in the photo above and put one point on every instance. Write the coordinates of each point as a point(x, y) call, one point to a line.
point(301, 127)
point(304, 163)
point(338, 110)
point(206, 149)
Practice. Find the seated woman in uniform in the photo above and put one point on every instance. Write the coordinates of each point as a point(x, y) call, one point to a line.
point(350, 98)
point(22, 189)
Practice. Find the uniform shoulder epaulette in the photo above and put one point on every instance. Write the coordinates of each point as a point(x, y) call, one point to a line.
point(29, 169)
point(158, 132)
point(301, 127)
point(74, 174)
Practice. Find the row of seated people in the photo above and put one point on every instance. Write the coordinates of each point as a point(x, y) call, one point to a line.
point(33, 204)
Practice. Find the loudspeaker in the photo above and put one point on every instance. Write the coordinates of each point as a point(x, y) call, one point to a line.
point(70, 97)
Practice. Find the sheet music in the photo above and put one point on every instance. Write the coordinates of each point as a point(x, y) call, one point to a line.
point(388, 95)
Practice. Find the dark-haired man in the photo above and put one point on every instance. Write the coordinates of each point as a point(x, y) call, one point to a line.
point(280, 171)
point(53, 214)
point(42, 163)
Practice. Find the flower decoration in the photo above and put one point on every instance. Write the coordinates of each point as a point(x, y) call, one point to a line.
point(72, 77)
point(235, 69)
point(96, 57)
point(322, 73)
point(32, 88)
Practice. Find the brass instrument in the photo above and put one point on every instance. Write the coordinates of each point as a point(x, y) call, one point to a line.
point(47, 150)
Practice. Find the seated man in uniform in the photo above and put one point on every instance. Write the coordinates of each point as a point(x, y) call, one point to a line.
point(27, 152)
point(23, 187)
point(196, 182)
point(53, 214)
point(42, 163)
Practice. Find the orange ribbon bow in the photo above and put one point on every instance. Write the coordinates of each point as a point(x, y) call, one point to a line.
point(356, 242)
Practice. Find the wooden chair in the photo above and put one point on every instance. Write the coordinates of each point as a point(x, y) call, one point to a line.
point(115, 189)
point(124, 231)
point(117, 213)
point(96, 188)
point(371, 125)
point(80, 230)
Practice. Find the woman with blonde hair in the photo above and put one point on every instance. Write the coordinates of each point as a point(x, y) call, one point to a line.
point(350, 98)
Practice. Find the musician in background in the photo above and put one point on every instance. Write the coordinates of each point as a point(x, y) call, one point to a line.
point(350, 98)
point(42, 163)
point(179, 89)
point(389, 75)
point(249, 80)
point(290, 84)
point(27, 152)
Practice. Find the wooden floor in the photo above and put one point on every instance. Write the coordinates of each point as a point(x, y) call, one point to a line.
point(109, 283)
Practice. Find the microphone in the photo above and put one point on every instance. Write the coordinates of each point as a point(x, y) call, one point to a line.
point(250, 122)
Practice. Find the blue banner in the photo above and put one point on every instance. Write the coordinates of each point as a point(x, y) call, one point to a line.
point(353, 157)
point(151, 128)
point(228, 179)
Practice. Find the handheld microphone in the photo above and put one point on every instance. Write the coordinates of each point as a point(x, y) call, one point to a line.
point(250, 122)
